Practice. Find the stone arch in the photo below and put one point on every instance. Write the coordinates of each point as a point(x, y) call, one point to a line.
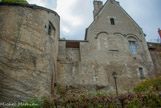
point(133, 36)
point(99, 34)
point(102, 40)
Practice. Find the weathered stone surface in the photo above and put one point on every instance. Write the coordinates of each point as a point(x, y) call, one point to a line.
point(28, 54)
point(155, 51)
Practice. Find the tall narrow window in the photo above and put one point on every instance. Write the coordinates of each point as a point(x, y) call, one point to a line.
point(49, 29)
point(133, 48)
point(112, 21)
point(141, 72)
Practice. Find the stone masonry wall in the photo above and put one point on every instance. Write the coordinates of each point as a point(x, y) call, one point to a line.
point(155, 51)
point(28, 51)
point(106, 50)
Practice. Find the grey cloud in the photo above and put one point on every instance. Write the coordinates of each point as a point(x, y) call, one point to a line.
point(83, 9)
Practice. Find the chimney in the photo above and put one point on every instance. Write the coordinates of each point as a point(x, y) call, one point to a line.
point(97, 6)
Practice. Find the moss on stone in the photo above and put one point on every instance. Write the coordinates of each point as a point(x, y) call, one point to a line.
point(15, 1)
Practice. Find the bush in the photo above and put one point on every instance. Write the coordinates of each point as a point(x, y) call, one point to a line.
point(138, 100)
point(145, 100)
point(149, 85)
point(15, 1)
point(157, 83)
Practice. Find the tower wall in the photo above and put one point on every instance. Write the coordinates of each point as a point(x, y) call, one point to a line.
point(29, 37)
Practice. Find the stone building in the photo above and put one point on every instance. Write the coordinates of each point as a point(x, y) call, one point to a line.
point(114, 42)
point(33, 61)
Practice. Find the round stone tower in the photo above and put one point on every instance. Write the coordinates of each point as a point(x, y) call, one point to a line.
point(29, 37)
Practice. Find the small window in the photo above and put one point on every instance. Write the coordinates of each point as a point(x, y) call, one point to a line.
point(133, 48)
point(112, 21)
point(141, 73)
point(49, 29)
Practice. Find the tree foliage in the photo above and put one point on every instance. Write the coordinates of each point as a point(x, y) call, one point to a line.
point(15, 1)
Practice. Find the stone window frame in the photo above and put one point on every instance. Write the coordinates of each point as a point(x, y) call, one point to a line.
point(109, 20)
point(112, 21)
point(133, 39)
point(141, 72)
point(133, 47)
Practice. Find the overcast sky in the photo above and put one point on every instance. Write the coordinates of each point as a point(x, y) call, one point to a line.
point(77, 15)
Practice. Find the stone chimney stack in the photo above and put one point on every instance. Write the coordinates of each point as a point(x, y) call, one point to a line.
point(97, 6)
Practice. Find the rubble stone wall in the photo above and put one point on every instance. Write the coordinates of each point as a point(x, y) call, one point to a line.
point(28, 51)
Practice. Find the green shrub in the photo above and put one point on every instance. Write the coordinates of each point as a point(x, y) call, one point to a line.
point(148, 100)
point(15, 1)
point(157, 83)
point(134, 104)
point(149, 85)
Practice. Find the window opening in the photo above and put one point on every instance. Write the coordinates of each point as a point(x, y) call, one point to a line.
point(49, 29)
point(133, 48)
point(112, 21)
point(141, 73)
